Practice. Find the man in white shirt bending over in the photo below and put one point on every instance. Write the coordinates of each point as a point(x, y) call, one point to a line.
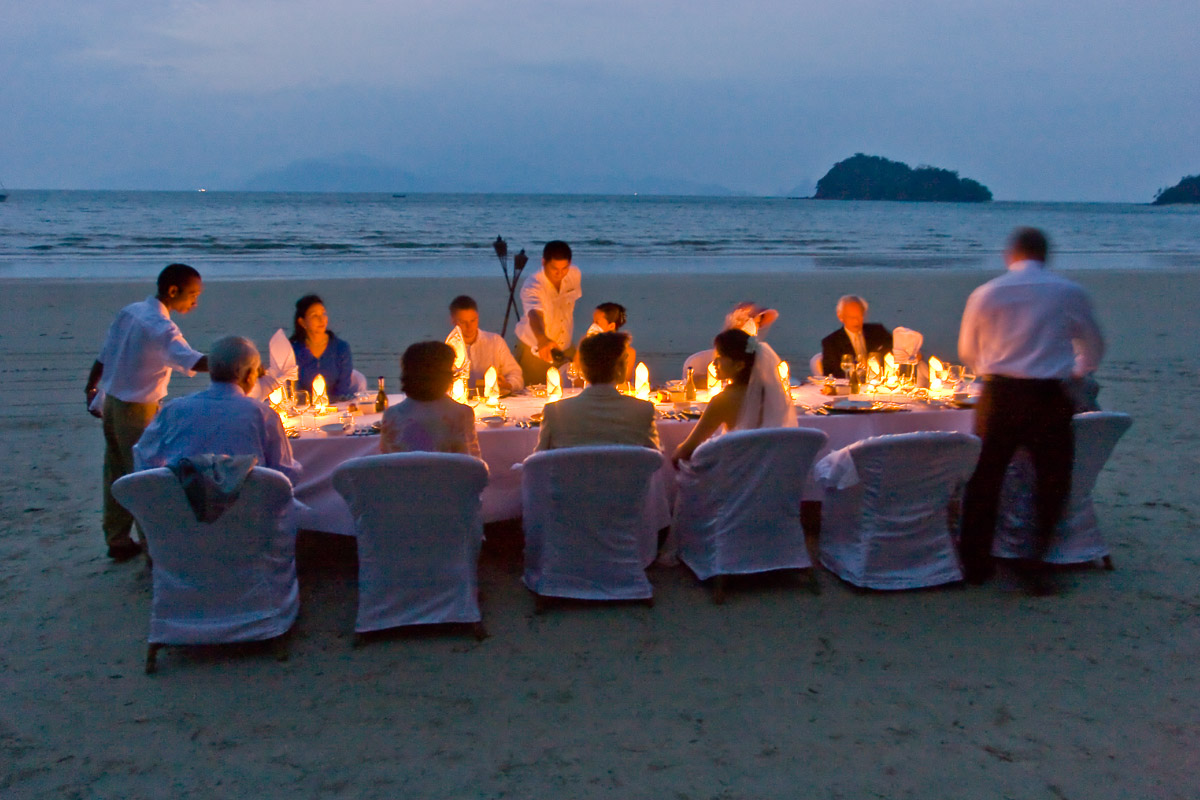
point(221, 419)
point(133, 369)
point(1027, 333)
point(485, 349)
point(548, 297)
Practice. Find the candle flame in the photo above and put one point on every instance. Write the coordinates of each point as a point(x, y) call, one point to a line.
point(784, 372)
point(712, 374)
point(491, 387)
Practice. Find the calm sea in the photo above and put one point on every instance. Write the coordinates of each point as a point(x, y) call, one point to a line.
point(235, 235)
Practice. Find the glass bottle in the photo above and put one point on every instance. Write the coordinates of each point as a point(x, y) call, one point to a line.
point(381, 401)
point(689, 388)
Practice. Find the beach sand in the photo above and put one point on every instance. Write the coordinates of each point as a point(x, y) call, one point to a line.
point(947, 693)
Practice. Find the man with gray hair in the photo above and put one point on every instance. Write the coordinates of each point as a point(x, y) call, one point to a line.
point(221, 419)
point(855, 338)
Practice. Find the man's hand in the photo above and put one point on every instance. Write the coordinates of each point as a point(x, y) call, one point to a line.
point(91, 393)
point(546, 352)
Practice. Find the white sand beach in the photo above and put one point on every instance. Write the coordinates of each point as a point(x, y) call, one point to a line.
point(949, 693)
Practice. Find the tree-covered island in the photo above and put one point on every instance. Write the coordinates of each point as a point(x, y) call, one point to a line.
point(863, 177)
point(1186, 191)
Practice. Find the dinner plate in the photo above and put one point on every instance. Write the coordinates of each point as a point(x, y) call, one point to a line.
point(820, 380)
point(333, 429)
point(493, 421)
point(969, 401)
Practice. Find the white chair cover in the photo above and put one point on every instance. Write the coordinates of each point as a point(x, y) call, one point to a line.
point(815, 365)
point(419, 528)
point(738, 509)
point(584, 520)
point(1077, 538)
point(699, 362)
point(231, 580)
point(906, 345)
point(280, 366)
point(890, 529)
point(358, 382)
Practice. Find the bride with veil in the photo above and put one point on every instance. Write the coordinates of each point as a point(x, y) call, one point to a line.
point(755, 397)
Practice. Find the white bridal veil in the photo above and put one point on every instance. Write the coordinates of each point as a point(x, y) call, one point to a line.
point(766, 404)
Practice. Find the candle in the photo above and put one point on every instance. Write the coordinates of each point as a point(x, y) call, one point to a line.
point(712, 375)
point(641, 381)
point(320, 399)
point(553, 385)
point(491, 387)
point(458, 390)
point(784, 375)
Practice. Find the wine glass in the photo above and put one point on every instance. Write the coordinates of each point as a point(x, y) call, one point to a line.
point(953, 376)
point(574, 374)
point(301, 403)
point(847, 364)
point(968, 377)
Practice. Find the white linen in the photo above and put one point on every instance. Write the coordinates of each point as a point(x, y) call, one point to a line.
point(836, 470)
point(906, 345)
point(1030, 323)
point(490, 350)
point(1077, 539)
point(557, 307)
point(143, 345)
point(231, 580)
point(321, 453)
point(416, 516)
point(584, 514)
point(765, 404)
point(220, 420)
point(738, 509)
point(281, 366)
point(892, 529)
point(699, 363)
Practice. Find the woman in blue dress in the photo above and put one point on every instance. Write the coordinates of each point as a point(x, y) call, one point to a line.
point(319, 351)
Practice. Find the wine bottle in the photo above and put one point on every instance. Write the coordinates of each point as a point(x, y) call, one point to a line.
point(381, 398)
point(689, 388)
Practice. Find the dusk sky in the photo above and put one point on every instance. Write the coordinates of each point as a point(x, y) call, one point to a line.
point(1039, 101)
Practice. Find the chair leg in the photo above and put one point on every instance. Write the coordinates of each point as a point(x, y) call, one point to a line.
point(814, 583)
point(1108, 563)
point(648, 602)
point(718, 592)
point(152, 658)
point(479, 631)
point(280, 646)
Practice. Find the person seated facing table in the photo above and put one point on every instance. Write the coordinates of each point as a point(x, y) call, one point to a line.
point(133, 370)
point(754, 399)
point(319, 351)
point(548, 298)
point(599, 414)
point(427, 419)
point(609, 317)
point(484, 348)
point(220, 420)
point(855, 338)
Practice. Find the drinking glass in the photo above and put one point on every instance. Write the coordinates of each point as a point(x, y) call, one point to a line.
point(847, 364)
point(968, 377)
point(574, 375)
point(302, 402)
point(953, 376)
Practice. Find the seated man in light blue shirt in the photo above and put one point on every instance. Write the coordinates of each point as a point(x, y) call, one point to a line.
point(221, 419)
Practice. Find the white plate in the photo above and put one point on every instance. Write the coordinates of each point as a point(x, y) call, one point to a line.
point(333, 429)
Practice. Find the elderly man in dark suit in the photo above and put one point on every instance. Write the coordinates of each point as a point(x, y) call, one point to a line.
point(856, 337)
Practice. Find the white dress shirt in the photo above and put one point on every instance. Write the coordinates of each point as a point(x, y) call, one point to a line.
point(490, 350)
point(557, 307)
point(859, 343)
point(219, 420)
point(1030, 323)
point(142, 347)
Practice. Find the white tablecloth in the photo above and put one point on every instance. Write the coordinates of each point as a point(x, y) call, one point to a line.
point(320, 454)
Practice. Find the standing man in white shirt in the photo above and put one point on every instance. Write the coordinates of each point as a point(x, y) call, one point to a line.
point(1027, 333)
point(484, 348)
point(548, 298)
point(133, 369)
point(220, 419)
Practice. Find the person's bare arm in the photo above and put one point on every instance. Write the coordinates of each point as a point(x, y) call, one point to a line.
point(717, 413)
point(93, 386)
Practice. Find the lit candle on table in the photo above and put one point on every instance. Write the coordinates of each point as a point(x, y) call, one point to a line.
point(320, 399)
point(491, 387)
point(641, 381)
point(785, 376)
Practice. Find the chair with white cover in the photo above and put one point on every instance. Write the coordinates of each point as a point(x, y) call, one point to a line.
point(358, 382)
point(1077, 538)
point(699, 363)
point(738, 508)
point(584, 519)
point(231, 580)
point(886, 514)
point(816, 365)
point(417, 518)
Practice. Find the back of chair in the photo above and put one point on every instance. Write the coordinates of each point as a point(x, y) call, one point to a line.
point(417, 519)
point(225, 581)
point(889, 529)
point(1078, 537)
point(584, 520)
point(738, 509)
point(699, 362)
point(815, 365)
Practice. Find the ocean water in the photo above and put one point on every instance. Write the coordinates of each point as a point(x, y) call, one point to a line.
point(239, 235)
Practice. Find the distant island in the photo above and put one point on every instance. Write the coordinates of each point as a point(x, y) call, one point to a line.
point(863, 177)
point(1186, 191)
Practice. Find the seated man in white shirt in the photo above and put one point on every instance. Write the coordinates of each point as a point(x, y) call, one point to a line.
point(484, 348)
point(548, 298)
point(221, 419)
point(129, 378)
point(599, 414)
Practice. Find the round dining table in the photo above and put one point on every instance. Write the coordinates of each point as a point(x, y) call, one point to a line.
point(504, 446)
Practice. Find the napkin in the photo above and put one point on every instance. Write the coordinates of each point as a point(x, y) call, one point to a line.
point(836, 470)
point(281, 366)
point(906, 345)
point(592, 330)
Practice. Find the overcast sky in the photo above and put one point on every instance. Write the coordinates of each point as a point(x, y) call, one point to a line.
point(1088, 100)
